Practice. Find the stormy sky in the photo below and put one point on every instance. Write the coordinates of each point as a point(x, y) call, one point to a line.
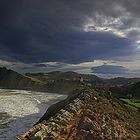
point(87, 36)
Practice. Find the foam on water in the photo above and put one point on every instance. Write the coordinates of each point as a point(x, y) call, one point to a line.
point(24, 109)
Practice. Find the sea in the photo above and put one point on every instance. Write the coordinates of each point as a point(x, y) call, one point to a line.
point(21, 109)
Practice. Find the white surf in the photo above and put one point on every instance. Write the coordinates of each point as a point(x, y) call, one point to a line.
point(23, 109)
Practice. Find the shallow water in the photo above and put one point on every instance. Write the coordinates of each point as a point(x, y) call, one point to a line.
point(20, 110)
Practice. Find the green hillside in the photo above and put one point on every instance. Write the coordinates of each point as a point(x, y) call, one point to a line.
point(65, 82)
point(14, 80)
point(56, 82)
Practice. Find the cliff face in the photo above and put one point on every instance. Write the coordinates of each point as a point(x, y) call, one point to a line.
point(89, 116)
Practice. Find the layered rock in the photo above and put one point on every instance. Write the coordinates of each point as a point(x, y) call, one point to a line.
point(88, 117)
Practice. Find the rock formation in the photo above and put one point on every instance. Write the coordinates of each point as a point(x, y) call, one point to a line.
point(89, 116)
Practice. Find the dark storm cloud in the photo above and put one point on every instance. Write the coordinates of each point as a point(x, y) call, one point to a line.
point(109, 69)
point(37, 31)
point(132, 7)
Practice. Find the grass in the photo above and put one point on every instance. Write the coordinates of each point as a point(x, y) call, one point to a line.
point(35, 80)
point(133, 102)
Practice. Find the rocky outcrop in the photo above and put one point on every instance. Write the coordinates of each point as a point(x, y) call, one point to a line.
point(89, 116)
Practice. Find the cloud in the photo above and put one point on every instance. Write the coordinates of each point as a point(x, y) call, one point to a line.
point(37, 31)
point(110, 69)
point(74, 47)
point(67, 34)
point(40, 65)
point(102, 68)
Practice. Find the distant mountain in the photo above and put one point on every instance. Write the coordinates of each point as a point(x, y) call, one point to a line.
point(67, 76)
point(135, 90)
point(57, 82)
point(122, 81)
point(60, 82)
point(65, 82)
point(14, 80)
point(55, 75)
point(129, 90)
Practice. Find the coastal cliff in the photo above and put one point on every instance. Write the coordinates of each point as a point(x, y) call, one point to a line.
point(86, 116)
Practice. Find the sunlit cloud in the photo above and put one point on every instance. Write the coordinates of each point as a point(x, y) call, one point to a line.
point(101, 23)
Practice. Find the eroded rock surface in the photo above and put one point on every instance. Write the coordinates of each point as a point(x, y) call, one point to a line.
point(89, 117)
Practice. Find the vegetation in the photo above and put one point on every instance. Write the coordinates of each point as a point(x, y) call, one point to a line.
point(35, 80)
point(133, 102)
point(55, 82)
point(66, 82)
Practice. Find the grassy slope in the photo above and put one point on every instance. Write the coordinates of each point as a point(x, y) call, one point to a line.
point(14, 80)
point(55, 82)
point(128, 114)
point(58, 82)
point(62, 86)
point(133, 102)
